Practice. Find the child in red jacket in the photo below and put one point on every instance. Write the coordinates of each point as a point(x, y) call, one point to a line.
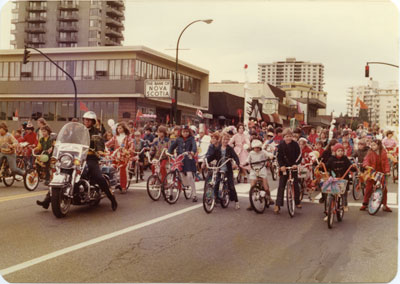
point(378, 160)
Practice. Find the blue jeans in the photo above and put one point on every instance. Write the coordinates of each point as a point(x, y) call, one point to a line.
point(12, 162)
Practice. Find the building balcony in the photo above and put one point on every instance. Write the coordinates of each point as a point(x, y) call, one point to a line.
point(14, 31)
point(15, 11)
point(36, 8)
point(13, 42)
point(113, 33)
point(35, 29)
point(72, 28)
point(114, 12)
point(68, 17)
point(68, 6)
point(40, 39)
point(72, 38)
point(118, 3)
point(14, 21)
point(112, 22)
point(110, 42)
point(35, 19)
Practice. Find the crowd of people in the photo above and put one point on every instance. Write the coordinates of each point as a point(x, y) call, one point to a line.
point(244, 144)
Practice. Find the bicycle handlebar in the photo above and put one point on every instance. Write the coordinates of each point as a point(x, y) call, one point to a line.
point(218, 167)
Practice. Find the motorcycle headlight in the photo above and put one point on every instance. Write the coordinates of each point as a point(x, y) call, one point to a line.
point(66, 161)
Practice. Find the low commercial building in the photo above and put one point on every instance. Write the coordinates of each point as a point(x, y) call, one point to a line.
point(109, 80)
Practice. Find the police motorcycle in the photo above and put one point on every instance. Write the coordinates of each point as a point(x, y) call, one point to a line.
point(70, 184)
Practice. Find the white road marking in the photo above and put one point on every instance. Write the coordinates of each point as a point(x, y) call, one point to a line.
point(58, 253)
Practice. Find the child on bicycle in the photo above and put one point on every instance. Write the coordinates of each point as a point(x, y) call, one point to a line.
point(186, 143)
point(160, 143)
point(138, 145)
point(222, 153)
point(339, 163)
point(257, 155)
point(289, 155)
point(45, 147)
point(378, 160)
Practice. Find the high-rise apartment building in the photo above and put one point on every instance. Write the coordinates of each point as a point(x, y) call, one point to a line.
point(383, 104)
point(292, 71)
point(67, 23)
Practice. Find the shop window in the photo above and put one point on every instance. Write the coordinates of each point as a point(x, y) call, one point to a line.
point(62, 111)
point(126, 115)
point(11, 108)
point(37, 110)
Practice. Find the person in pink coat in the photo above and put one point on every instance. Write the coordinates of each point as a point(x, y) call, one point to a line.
point(240, 143)
point(122, 139)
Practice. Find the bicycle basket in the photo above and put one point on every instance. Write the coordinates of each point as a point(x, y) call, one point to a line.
point(334, 186)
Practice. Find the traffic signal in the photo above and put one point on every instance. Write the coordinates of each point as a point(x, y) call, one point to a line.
point(367, 71)
point(26, 55)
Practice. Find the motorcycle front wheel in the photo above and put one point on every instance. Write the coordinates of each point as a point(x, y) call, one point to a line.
point(60, 203)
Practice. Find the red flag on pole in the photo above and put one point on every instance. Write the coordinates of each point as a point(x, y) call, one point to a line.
point(167, 118)
point(83, 107)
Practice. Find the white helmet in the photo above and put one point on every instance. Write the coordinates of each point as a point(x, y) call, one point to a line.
point(256, 143)
point(193, 128)
point(90, 115)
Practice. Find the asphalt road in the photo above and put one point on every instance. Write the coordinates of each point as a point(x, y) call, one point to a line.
point(147, 241)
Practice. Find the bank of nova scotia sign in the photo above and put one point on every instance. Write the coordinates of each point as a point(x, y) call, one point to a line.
point(157, 88)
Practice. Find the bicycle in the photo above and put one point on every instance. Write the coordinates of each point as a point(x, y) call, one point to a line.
point(6, 174)
point(375, 201)
point(135, 170)
point(154, 183)
point(357, 182)
point(290, 191)
point(37, 173)
point(209, 195)
point(259, 197)
point(172, 184)
point(272, 162)
point(334, 188)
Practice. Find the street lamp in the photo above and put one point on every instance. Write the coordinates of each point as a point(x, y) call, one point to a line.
point(175, 100)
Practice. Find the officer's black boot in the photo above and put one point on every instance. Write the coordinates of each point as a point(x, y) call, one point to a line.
point(46, 202)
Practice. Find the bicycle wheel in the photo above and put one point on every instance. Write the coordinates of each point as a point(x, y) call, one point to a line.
point(395, 172)
point(20, 165)
point(375, 201)
point(225, 195)
point(130, 177)
point(187, 192)
point(302, 187)
point(137, 171)
point(290, 198)
point(357, 188)
point(31, 180)
point(339, 209)
point(257, 199)
point(208, 198)
point(274, 171)
point(331, 210)
point(170, 188)
point(154, 187)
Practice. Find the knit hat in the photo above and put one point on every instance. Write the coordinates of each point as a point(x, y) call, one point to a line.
point(337, 147)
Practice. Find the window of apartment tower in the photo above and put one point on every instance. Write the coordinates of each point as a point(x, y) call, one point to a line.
point(94, 12)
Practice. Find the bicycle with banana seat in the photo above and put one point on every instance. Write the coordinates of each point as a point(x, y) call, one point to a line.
point(154, 182)
point(6, 175)
point(378, 188)
point(172, 184)
point(259, 197)
point(211, 194)
point(334, 200)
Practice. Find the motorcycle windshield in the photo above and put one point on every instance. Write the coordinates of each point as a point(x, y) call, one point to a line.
point(74, 139)
point(74, 133)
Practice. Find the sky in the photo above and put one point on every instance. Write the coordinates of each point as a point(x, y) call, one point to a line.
point(342, 35)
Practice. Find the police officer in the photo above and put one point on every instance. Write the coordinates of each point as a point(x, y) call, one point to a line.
point(92, 160)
